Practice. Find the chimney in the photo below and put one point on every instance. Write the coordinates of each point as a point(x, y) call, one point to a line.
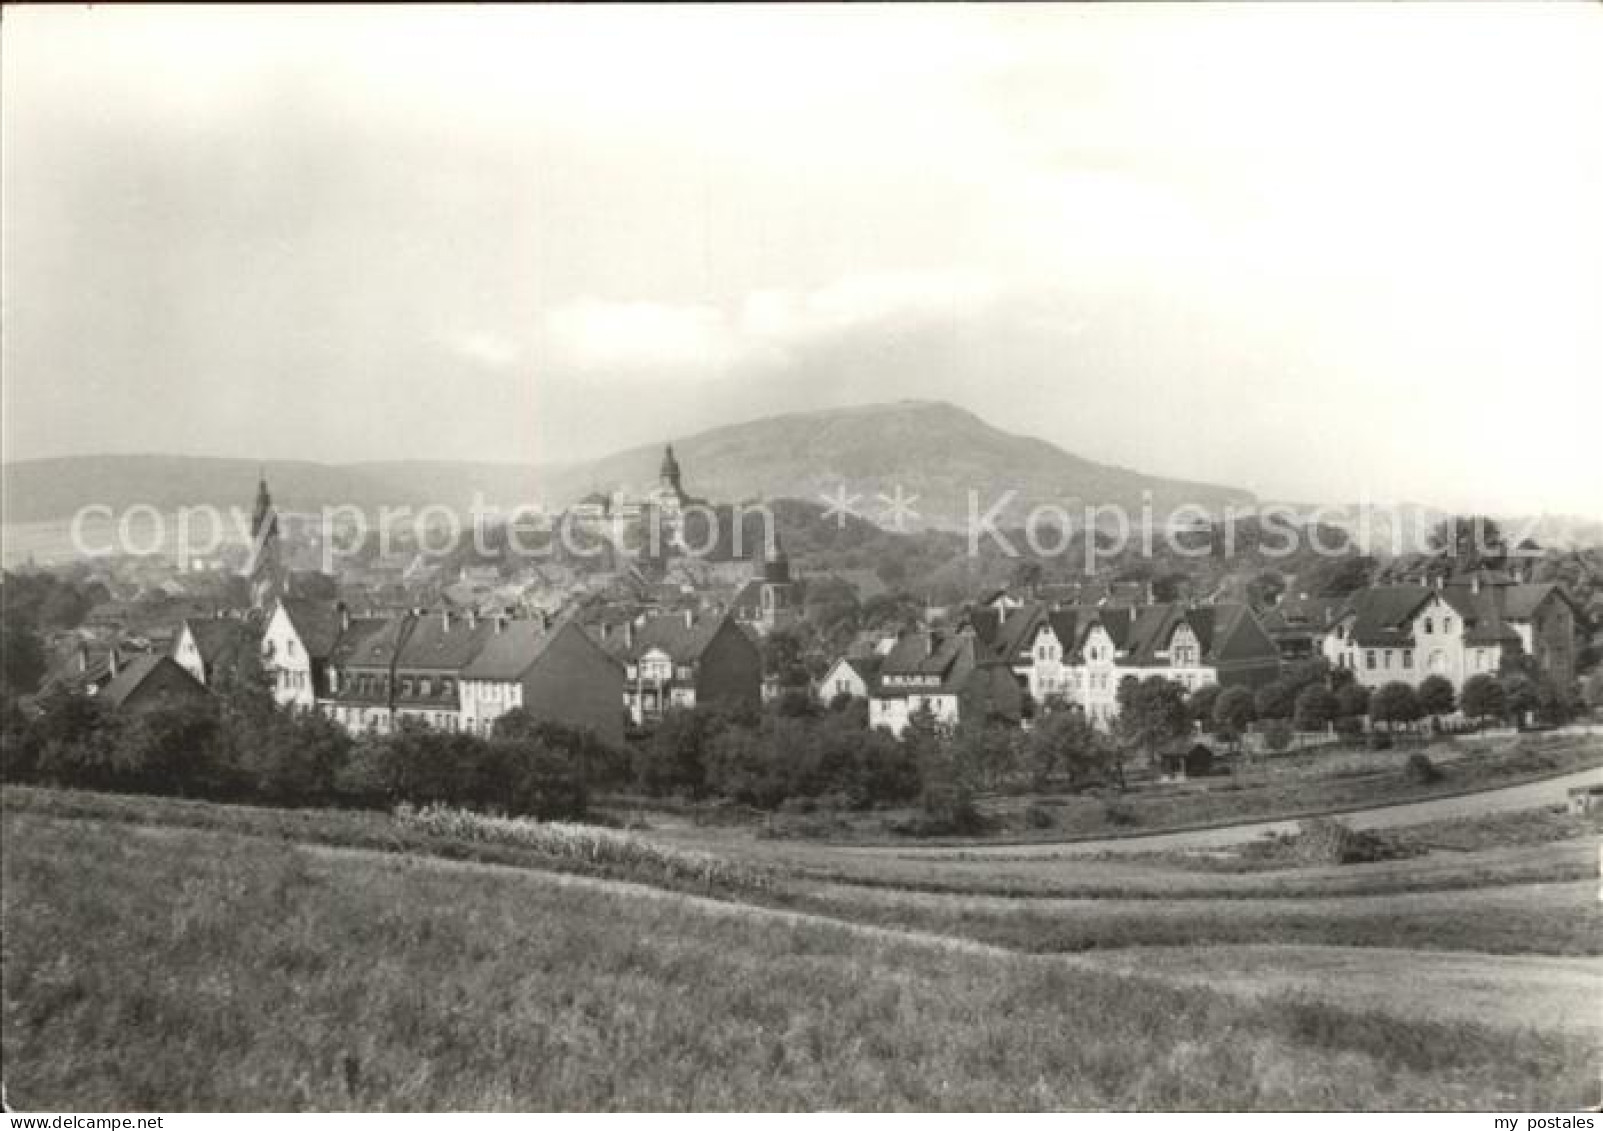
point(628, 634)
point(1475, 582)
point(113, 661)
point(690, 618)
point(83, 657)
point(445, 619)
point(345, 617)
point(473, 618)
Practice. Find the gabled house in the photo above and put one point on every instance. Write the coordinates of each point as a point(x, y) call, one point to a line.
point(361, 673)
point(150, 682)
point(852, 676)
point(88, 668)
point(297, 644)
point(558, 674)
point(205, 646)
point(679, 661)
point(1405, 633)
point(947, 674)
point(429, 664)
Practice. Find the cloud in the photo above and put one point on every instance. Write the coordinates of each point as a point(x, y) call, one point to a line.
point(767, 328)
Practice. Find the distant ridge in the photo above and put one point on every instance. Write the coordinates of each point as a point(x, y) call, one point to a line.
point(930, 449)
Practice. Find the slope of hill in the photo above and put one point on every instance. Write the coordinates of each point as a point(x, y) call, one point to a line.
point(45, 490)
point(930, 449)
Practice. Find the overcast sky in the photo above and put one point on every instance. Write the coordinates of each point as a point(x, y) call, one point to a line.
point(1311, 252)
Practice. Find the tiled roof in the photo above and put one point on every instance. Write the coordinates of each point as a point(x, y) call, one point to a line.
point(216, 636)
point(317, 623)
point(683, 643)
point(1383, 614)
point(370, 642)
point(134, 673)
point(441, 642)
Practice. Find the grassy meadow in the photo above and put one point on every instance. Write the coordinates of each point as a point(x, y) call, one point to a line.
point(152, 965)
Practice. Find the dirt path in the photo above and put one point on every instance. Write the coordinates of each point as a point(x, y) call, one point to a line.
point(1513, 990)
point(1512, 798)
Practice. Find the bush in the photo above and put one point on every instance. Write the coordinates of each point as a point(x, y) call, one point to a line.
point(1117, 813)
point(1277, 735)
point(1420, 770)
point(1324, 840)
point(1039, 817)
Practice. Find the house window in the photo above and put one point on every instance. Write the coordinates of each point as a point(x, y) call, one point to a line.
point(425, 687)
point(1408, 657)
point(1369, 660)
point(1447, 624)
point(1385, 659)
point(1427, 626)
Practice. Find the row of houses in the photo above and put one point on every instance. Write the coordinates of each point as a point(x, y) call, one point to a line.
point(1473, 623)
point(1008, 652)
point(463, 672)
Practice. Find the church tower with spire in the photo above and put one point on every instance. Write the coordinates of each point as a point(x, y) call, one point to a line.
point(669, 474)
point(265, 571)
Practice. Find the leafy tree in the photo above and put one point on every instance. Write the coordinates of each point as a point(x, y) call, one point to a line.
point(988, 751)
point(1275, 700)
point(22, 656)
point(1593, 693)
point(1316, 707)
point(1482, 697)
point(1436, 695)
point(1277, 736)
point(672, 760)
point(1152, 712)
point(1063, 743)
point(1265, 589)
point(1234, 712)
point(1352, 701)
point(1201, 703)
point(1394, 703)
point(1519, 696)
point(1468, 539)
point(174, 749)
point(1341, 576)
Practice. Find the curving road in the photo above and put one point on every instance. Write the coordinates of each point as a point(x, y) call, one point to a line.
point(1532, 795)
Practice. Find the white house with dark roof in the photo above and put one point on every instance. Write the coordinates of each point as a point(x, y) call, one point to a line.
point(852, 676)
point(678, 660)
point(1081, 654)
point(558, 674)
point(297, 642)
point(945, 674)
point(1404, 633)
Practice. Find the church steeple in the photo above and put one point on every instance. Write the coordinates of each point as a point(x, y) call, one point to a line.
point(264, 504)
point(670, 470)
point(265, 570)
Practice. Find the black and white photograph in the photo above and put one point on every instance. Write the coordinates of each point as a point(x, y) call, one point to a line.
point(822, 558)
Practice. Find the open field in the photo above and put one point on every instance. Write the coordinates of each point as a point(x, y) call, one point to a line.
point(171, 967)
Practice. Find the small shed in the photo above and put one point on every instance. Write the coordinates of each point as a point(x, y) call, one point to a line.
point(1586, 799)
point(1186, 759)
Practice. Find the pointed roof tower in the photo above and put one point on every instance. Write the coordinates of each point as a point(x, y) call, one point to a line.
point(670, 470)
